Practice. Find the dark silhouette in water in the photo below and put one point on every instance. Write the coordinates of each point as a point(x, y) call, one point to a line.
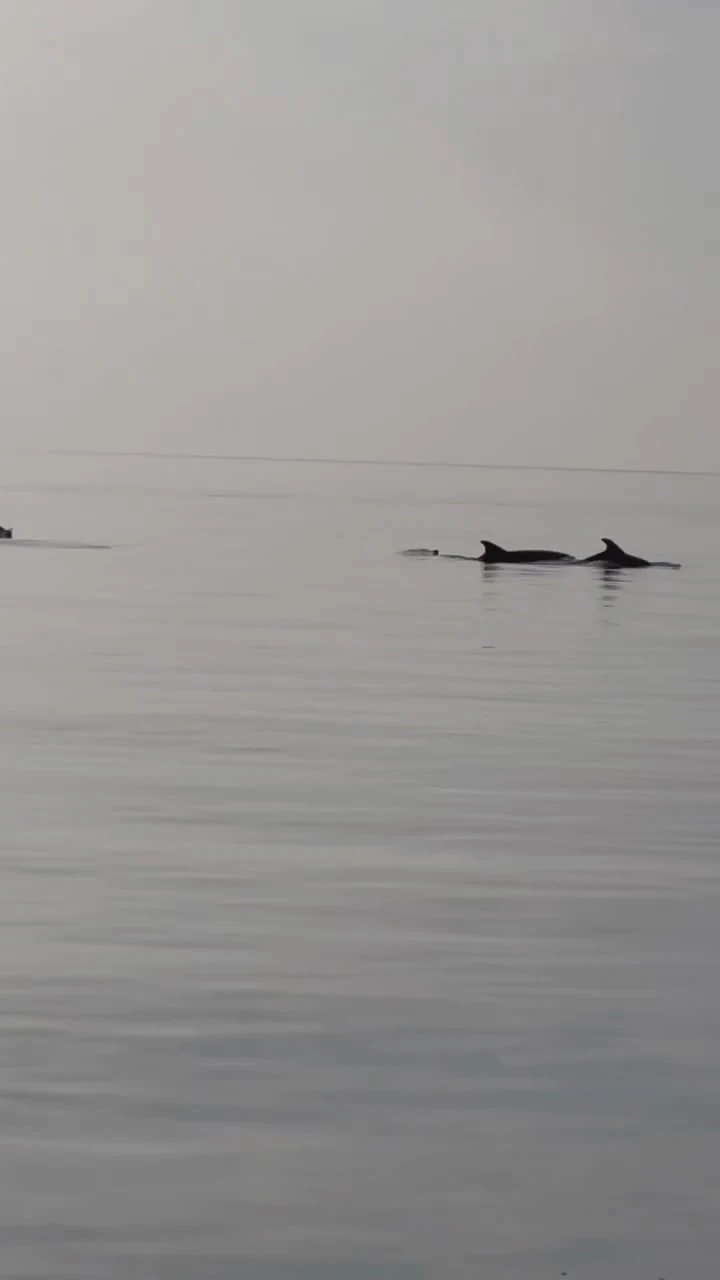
point(613, 557)
point(494, 554)
point(5, 533)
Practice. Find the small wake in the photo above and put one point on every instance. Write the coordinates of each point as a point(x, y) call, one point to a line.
point(51, 545)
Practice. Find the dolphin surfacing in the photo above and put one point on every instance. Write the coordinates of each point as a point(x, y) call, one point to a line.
point(493, 554)
point(614, 557)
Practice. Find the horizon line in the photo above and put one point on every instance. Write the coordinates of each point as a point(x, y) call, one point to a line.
point(358, 462)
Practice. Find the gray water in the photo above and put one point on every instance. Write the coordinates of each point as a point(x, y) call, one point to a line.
point(360, 913)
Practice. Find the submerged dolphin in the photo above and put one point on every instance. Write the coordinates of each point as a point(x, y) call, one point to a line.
point(613, 557)
point(420, 551)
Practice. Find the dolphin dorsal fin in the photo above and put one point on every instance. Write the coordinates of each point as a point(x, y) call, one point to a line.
point(492, 552)
point(613, 546)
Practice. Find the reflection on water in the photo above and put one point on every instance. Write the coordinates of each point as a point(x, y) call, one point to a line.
point(612, 580)
point(359, 912)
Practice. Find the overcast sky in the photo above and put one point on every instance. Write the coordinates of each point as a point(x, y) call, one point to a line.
point(482, 230)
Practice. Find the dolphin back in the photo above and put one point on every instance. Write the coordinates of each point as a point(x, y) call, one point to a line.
point(615, 557)
point(495, 554)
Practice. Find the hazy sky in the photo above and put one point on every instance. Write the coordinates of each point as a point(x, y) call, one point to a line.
point(479, 230)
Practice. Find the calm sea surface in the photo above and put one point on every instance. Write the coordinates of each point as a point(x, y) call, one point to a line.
point(360, 914)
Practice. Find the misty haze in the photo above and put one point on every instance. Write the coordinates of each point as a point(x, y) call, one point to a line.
point(360, 908)
point(476, 232)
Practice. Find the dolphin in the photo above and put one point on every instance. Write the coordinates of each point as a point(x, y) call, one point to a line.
point(493, 554)
point(613, 557)
point(5, 533)
point(420, 551)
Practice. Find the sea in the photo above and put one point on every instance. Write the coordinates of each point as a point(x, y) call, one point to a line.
point(360, 912)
